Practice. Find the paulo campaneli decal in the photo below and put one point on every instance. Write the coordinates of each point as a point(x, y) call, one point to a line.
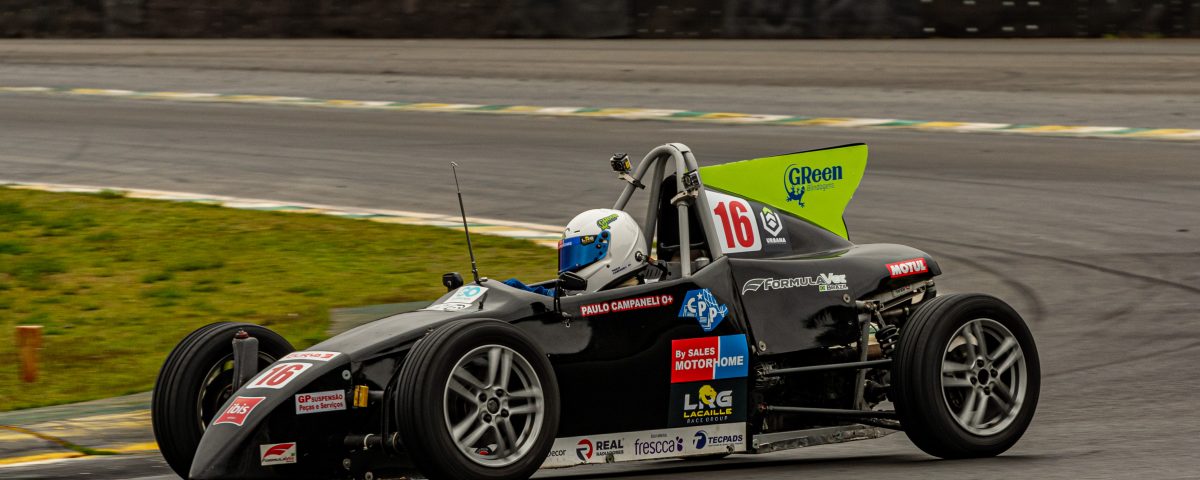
point(907, 267)
point(626, 304)
point(709, 358)
point(239, 410)
point(647, 445)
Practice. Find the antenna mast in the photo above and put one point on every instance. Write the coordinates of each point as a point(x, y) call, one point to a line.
point(463, 211)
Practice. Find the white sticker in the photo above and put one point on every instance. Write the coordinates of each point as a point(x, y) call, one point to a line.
point(460, 300)
point(737, 227)
point(311, 355)
point(467, 294)
point(317, 402)
point(279, 375)
point(278, 454)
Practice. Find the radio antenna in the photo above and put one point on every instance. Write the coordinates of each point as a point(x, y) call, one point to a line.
point(463, 211)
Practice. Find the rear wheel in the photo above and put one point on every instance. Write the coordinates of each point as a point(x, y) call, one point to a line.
point(477, 399)
point(966, 377)
point(195, 382)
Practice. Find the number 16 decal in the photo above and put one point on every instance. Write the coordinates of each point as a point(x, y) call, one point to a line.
point(279, 375)
point(735, 223)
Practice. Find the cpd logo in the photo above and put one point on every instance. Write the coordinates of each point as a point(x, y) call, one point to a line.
point(800, 180)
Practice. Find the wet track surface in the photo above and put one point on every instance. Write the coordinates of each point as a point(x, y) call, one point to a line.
point(1095, 242)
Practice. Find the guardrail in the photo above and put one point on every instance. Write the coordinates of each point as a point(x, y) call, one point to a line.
point(601, 18)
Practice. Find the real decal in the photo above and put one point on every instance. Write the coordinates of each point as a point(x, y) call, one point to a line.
point(317, 402)
point(626, 304)
point(278, 454)
point(709, 358)
point(704, 307)
point(279, 375)
point(907, 267)
point(238, 410)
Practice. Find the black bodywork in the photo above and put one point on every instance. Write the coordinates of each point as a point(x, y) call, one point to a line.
point(613, 369)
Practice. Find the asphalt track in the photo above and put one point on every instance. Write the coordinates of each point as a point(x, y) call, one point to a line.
point(1095, 241)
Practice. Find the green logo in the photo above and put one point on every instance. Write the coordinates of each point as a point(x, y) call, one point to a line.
point(603, 223)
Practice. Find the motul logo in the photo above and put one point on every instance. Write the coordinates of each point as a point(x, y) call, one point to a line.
point(907, 267)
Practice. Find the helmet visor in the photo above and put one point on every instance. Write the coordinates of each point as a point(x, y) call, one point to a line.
point(575, 253)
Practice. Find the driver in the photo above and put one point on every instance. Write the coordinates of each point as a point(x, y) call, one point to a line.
point(604, 246)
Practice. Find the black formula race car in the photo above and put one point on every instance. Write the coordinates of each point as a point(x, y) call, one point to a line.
point(759, 328)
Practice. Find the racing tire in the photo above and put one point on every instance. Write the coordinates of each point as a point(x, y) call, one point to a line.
point(195, 381)
point(957, 397)
point(477, 399)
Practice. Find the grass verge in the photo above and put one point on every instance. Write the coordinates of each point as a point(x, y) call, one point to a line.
point(116, 282)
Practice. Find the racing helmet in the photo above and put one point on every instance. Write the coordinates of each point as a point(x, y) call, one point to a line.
point(603, 246)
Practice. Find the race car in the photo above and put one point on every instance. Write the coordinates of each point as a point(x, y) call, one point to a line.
point(759, 327)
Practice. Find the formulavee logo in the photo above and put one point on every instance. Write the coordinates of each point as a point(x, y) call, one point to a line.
point(825, 282)
point(907, 267)
point(278, 454)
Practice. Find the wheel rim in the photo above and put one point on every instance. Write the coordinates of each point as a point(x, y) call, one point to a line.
point(494, 407)
point(217, 387)
point(984, 377)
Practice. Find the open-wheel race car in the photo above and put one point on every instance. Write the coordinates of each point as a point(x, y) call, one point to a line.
point(755, 326)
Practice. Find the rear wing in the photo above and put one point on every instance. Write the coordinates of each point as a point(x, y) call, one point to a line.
point(815, 185)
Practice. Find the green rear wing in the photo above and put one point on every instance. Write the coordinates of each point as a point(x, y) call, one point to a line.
point(816, 185)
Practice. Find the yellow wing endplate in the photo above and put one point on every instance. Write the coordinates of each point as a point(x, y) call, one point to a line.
point(816, 185)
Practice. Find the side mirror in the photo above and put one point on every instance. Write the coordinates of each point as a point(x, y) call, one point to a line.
point(571, 281)
point(452, 281)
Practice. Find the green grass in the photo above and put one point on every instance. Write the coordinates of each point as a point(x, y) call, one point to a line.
point(116, 282)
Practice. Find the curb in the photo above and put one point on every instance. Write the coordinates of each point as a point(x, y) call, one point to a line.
point(544, 235)
point(1177, 134)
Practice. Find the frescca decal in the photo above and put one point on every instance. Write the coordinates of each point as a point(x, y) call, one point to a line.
point(279, 375)
point(317, 402)
point(704, 307)
point(657, 445)
point(907, 267)
point(311, 355)
point(825, 282)
point(709, 358)
point(278, 454)
point(798, 181)
point(626, 304)
point(239, 410)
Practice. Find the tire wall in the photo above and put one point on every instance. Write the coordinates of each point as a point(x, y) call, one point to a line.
point(599, 18)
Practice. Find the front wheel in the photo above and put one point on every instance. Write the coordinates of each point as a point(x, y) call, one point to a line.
point(966, 377)
point(195, 382)
point(477, 399)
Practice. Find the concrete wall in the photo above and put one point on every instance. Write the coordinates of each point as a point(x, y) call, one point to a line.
point(599, 18)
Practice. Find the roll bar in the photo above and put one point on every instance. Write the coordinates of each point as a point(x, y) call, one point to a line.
point(691, 192)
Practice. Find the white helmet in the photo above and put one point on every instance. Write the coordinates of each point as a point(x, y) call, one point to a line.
point(603, 246)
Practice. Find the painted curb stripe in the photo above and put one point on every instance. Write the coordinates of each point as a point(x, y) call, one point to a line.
point(733, 118)
point(544, 235)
